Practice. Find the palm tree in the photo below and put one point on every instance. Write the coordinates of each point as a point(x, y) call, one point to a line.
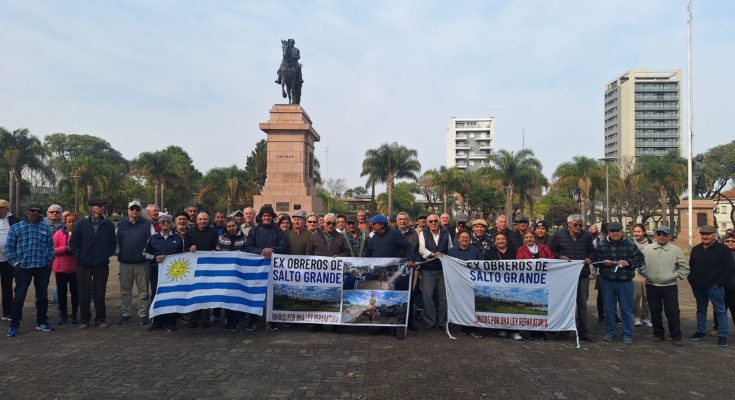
point(582, 177)
point(388, 163)
point(668, 173)
point(445, 180)
point(519, 171)
point(166, 168)
point(22, 151)
point(232, 182)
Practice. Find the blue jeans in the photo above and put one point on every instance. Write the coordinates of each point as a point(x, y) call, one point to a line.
point(23, 278)
point(717, 297)
point(614, 293)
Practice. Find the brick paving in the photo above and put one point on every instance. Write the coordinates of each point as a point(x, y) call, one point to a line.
point(124, 362)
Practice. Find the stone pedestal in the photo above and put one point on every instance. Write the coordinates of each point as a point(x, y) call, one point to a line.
point(702, 211)
point(289, 185)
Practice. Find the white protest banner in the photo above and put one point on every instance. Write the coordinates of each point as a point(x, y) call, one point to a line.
point(535, 294)
point(227, 279)
point(338, 290)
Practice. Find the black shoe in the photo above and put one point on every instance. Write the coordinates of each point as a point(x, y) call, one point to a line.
point(400, 335)
point(229, 328)
point(205, 324)
point(143, 321)
point(722, 341)
point(123, 320)
point(698, 336)
point(587, 338)
point(171, 328)
point(154, 326)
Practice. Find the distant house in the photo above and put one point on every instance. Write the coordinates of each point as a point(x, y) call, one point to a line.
point(723, 210)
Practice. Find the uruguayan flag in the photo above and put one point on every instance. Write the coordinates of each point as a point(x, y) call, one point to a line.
point(228, 279)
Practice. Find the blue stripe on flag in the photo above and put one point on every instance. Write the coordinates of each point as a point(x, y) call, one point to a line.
point(207, 299)
point(246, 262)
point(237, 274)
point(212, 285)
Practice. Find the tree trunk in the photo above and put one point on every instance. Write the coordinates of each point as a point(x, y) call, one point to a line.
point(155, 195)
point(509, 203)
point(11, 190)
point(592, 207)
point(17, 193)
point(163, 186)
point(389, 185)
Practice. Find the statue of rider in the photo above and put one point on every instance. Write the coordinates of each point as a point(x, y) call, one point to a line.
point(291, 59)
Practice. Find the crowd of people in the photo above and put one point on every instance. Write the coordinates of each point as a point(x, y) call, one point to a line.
point(636, 276)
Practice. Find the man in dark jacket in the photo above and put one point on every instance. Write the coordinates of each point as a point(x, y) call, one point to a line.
point(327, 242)
point(265, 239)
point(132, 236)
point(433, 243)
point(201, 237)
point(619, 258)
point(711, 267)
point(388, 242)
point(573, 243)
point(93, 243)
point(481, 239)
point(164, 243)
point(403, 226)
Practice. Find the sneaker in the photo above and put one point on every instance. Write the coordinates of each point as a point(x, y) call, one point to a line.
point(516, 336)
point(45, 327)
point(475, 334)
point(13, 331)
point(62, 321)
point(637, 322)
point(143, 321)
point(647, 323)
point(250, 328)
point(6, 317)
point(271, 327)
point(627, 340)
point(722, 341)
point(697, 336)
point(83, 326)
point(608, 338)
point(502, 334)
point(102, 325)
point(205, 325)
point(677, 342)
point(123, 320)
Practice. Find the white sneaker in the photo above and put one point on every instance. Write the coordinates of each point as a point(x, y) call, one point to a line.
point(502, 334)
point(647, 322)
point(516, 336)
point(637, 321)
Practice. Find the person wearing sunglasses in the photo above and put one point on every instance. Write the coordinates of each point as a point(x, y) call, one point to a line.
point(132, 237)
point(312, 223)
point(574, 243)
point(664, 265)
point(328, 242)
point(30, 251)
point(53, 217)
point(712, 266)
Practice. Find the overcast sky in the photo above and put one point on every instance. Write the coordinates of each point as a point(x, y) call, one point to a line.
point(147, 74)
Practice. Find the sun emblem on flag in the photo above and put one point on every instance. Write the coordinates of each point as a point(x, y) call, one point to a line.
point(178, 269)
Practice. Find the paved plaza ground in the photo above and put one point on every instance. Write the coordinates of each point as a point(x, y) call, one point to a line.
point(127, 362)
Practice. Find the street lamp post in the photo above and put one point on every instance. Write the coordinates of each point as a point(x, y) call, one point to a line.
point(606, 160)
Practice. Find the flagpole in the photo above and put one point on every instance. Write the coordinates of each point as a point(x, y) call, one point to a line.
point(689, 121)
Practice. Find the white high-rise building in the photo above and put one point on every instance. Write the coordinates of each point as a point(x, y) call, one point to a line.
point(469, 142)
point(642, 114)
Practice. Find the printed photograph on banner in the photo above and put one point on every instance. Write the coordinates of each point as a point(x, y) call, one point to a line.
point(511, 300)
point(378, 307)
point(306, 298)
point(370, 277)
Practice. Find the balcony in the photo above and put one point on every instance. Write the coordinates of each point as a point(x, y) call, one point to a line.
point(462, 146)
point(649, 116)
point(656, 97)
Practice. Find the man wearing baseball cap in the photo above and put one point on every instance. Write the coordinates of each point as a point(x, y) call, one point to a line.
point(711, 266)
point(132, 236)
point(664, 264)
point(93, 243)
point(30, 251)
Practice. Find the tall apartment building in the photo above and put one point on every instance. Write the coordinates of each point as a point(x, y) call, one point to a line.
point(642, 114)
point(469, 142)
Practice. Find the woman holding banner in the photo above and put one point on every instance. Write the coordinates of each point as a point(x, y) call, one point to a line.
point(532, 250)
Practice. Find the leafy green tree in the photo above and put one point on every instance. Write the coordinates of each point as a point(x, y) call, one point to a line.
point(403, 199)
point(667, 173)
point(356, 191)
point(22, 151)
point(332, 204)
point(256, 164)
point(555, 208)
point(388, 163)
point(719, 168)
point(226, 188)
point(170, 168)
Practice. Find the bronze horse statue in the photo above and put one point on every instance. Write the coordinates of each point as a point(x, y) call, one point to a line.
point(289, 74)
